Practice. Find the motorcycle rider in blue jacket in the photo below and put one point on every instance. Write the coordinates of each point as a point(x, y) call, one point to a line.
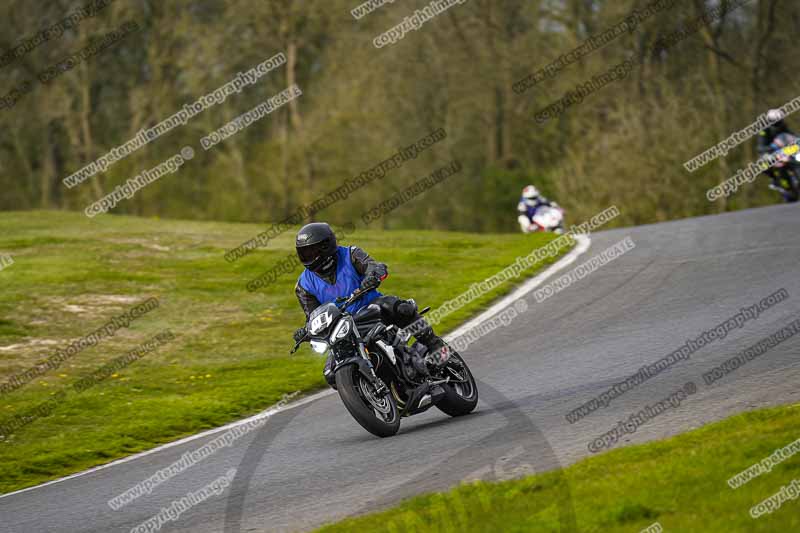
point(333, 271)
point(765, 145)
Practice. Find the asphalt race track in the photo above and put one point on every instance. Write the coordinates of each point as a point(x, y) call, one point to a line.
point(313, 464)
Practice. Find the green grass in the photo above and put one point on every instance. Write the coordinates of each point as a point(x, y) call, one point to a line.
point(230, 358)
point(680, 482)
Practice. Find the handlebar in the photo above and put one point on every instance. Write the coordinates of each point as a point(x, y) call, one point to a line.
point(343, 301)
point(298, 343)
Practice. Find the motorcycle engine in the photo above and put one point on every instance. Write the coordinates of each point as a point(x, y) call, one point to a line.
point(417, 353)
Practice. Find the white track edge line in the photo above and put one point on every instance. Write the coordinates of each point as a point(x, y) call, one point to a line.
point(583, 244)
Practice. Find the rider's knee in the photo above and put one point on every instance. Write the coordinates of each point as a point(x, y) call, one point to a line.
point(407, 309)
point(387, 304)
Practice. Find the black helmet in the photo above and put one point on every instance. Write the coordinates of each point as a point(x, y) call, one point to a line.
point(316, 247)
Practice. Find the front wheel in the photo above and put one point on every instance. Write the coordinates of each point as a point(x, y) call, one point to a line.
point(376, 414)
point(461, 393)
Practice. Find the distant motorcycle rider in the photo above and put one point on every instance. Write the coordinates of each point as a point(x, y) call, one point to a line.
point(528, 204)
point(333, 271)
point(766, 145)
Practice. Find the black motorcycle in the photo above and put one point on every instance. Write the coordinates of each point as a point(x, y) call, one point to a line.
point(379, 377)
point(787, 159)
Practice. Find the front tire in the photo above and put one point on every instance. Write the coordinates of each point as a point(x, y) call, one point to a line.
point(377, 415)
point(461, 396)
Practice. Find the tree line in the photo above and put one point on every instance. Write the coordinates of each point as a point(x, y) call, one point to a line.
point(621, 143)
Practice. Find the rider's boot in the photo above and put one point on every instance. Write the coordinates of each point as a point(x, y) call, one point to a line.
point(422, 331)
point(438, 350)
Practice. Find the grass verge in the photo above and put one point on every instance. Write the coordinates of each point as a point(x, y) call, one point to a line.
point(681, 483)
point(229, 359)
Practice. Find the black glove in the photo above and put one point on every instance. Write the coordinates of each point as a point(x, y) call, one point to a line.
point(300, 334)
point(370, 281)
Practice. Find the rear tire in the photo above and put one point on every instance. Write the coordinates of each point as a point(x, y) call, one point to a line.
point(382, 420)
point(794, 186)
point(460, 398)
point(794, 193)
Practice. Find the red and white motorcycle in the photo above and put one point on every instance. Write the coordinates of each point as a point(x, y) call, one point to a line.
point(546, 218)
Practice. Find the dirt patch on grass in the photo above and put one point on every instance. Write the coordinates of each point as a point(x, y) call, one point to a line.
point(145, 243)
point(92, 305)
point(33, 343)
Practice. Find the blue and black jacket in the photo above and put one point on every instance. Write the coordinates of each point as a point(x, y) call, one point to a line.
point(352, 265)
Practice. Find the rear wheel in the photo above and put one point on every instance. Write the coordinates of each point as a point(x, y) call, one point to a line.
point(461, 393)
point(794, 189)
point(791, 184)
point(377, 414)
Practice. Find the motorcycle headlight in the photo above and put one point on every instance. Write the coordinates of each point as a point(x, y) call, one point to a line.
point(319, 346)
point(341, 331)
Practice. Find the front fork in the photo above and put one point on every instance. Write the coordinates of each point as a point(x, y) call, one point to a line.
point(368, 370)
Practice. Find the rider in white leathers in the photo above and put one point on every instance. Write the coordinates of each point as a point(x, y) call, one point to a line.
point(529, 203)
